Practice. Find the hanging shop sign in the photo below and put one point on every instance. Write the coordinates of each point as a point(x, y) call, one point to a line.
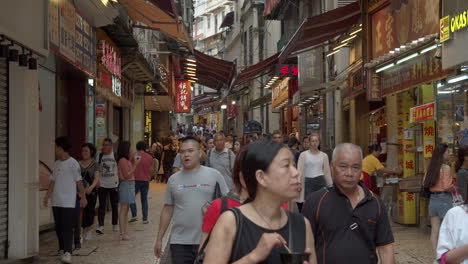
point(182, 96)
point(454, 33)
point(287, 70)
point(253, 127)
point(109, 68)
point(422, 69)
point(293, 91)
point(71, 36)
point(416, 19)
point(355, 85)
point(232, 110)
point(279, 93)
point(422, 113)
point(428, 138)
point(373, 89)
point(310, 68)
point(110, 59)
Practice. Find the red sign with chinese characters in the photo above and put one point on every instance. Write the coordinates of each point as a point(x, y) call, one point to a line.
point(182, 96)
point(422, 113)
point(287, 70)
point(110, 59)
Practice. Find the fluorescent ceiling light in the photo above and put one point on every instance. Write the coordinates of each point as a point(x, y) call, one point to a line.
point(428, 49)
point(223, 106)
point(329, 54)
point(445, 92)
point(191, 74)
point(192, 81)
point(458, 78)
point(348, 39)
point(340, 46)
point(408, 58)
point(191, 60)
point(191, 69)
point(193, 78)
point(356, 31)
point(385, 67)
point(191, 64)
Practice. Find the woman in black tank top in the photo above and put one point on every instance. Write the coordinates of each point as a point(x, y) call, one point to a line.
point(260, 230)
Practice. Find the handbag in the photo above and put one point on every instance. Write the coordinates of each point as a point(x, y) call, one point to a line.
point(216, 195)
point(456, 196)
point(238, 215)
point(443, 258)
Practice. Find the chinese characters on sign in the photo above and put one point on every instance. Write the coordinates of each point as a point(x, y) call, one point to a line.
point(416, 19)
point(374, 91)
point(182, 96)
point(279, 93)
point(444, 29)
point(287, 70)
point(421, 69)
point(422, 113)
point(110, 59)
point(428, 138)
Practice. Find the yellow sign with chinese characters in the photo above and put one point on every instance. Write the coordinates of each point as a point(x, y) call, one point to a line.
point(444, 28)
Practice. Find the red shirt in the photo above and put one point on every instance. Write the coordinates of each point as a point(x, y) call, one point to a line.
point(214, 211)
point(143, 170)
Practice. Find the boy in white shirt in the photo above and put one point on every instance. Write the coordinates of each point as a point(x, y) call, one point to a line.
point(64, 180)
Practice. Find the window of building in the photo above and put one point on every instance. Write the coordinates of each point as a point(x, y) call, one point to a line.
point(245, 48)
point(208, 22)
point(216, 23)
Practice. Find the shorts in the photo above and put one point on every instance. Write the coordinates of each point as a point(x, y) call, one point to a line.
point(439, 204)
point(127, 192)
point(313, 184)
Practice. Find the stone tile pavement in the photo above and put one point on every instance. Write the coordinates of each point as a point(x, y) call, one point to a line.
point(412, 243)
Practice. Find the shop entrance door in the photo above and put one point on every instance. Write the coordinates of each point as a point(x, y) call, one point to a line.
point(3, 158)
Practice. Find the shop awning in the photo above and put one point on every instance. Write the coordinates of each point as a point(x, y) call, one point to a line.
point(155, 18)
point(213, 72)
point(323, 27)
point(228, 20)
point(256, 69)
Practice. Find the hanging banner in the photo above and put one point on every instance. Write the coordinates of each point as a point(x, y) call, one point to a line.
point(279, 93)
point(422, 113)
point(182, 96)
point(428, 138)
point(374, 90)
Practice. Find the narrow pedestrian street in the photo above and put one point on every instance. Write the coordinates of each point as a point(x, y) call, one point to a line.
point(412, 244)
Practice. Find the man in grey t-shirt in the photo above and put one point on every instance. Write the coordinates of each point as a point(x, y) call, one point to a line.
point(221, 158)
point(186, 193)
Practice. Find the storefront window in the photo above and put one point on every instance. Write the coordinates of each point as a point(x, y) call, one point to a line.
point(451, 115)
point(314, 117)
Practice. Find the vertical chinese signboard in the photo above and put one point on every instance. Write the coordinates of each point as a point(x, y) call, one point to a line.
point(182, 96)
point(374, 91)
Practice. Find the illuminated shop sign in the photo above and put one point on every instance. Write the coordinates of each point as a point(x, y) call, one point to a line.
point(452, 24)
point(111, 61)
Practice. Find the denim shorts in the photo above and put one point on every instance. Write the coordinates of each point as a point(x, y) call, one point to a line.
point(439, 204)
point(127, 192)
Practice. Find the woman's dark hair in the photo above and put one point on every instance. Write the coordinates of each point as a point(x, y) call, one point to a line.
point(123, 150)
point(141, 146)
point(91, 148)
point(293, 141)
point(374, 147)
point(64, 143)
point(237, 170)
point(259, 156)
point(433, 171)
point(461, 154)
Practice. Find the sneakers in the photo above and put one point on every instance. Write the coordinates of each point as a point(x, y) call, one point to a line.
point(88, 235)
point(100, 230)
point(60, 253)
point(115, 228)
point(145, 222)
point(133, 219)
point(66, 258)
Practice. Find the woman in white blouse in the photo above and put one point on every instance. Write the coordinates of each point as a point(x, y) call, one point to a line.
point(314, 168)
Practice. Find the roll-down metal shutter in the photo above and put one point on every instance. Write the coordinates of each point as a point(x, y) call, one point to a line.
point(3, 158)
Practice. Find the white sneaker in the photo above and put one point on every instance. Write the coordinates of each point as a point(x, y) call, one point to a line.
point(116, 228)
point(88, 235)
point(100, 230)
point(66, 258)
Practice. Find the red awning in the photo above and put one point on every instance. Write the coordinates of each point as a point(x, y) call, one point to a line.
point(213, 72)
point(315, 30)
point(257, 69)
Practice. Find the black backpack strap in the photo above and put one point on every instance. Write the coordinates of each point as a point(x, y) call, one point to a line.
point(100, 158)
point(239, 223)
point(224, 204)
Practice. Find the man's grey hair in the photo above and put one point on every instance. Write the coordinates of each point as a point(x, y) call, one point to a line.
point(346, 147)
point(219, 134)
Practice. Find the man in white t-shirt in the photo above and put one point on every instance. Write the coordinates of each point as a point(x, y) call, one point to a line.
point(64, 180)
point(108, 185)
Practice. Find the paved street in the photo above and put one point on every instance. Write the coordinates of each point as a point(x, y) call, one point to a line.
point(412, 245)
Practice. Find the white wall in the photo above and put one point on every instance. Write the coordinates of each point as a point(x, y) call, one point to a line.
point(23, 194)
point(24, 21)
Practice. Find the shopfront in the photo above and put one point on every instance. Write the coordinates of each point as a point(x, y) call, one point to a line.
point(452, 92)
point(280, 102)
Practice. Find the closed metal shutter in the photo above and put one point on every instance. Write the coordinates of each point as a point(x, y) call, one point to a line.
point(3, 158)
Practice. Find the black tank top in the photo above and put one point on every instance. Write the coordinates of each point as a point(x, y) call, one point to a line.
point(251, 233)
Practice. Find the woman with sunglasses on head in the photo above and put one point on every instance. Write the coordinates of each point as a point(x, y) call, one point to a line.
point(265, 229)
